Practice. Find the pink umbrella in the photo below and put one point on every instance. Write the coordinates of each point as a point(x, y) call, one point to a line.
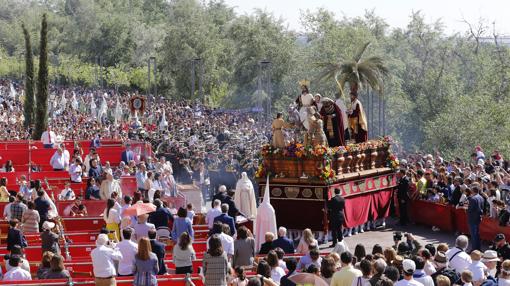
point(308, 279)
point(139, 209)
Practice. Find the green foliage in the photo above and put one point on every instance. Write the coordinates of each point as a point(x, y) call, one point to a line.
point(41, 119)
point(29, 103)
point(446, 92)
point(356, 72)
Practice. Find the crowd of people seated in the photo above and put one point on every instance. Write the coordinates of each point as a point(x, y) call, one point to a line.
point(208, 145)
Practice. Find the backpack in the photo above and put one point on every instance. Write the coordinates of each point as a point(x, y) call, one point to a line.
point(452, 275)
point(490, 282)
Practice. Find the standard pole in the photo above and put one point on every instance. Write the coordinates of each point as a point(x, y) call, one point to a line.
point(101, 69)
point(155, 78)
point(192, 79)
point(149, 77)
point(200, 80)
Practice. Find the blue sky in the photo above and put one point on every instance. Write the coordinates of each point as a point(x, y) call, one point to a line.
point(396, 12)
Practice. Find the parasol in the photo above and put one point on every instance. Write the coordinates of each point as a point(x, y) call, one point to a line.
point(139, 209)
point(308, 279)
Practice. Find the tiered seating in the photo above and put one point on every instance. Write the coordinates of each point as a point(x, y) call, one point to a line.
point(80, 232)
point(163, 280)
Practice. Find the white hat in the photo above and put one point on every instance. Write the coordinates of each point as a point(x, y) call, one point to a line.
point(102, 239)
point(48, 225)
point(408, 266)
point(490, 255)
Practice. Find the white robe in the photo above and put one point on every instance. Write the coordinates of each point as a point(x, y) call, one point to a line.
point(306, 101)
point(244, 198)
point(266, 219)
point(118, 113)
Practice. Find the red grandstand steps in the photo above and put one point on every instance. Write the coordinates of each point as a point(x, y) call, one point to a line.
point(163, 280)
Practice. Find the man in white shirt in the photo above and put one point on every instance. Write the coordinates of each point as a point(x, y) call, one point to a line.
point(128, 249)
point(103, 257)
point(67, 194)
point(477, 267)
point(457, 256)
point(213, 213)
point(16, 273)
point(48, 138)
point(227, 242)
point(58, 161)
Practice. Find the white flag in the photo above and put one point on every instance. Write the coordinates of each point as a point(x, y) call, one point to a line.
point(163, 124)
point(103, 109)
point(13, 92)
point(74, 102)
point(63, 101)
point(118, 112)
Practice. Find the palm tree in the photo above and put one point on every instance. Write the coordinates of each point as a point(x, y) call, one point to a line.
point(356, 72)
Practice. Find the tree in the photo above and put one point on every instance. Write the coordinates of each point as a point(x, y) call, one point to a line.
point(41, 122)
point(29, 80)
point(356, 72)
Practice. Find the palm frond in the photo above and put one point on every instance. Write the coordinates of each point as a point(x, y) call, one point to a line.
point(360, 53)
point(370, 77)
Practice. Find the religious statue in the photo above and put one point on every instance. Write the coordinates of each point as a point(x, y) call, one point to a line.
point(304, 101)
point(316, 130)
point(244, 197)
point(357, 120)
point(333, 123)
point(277, 126)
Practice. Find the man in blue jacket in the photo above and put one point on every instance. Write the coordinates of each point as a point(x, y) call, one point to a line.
point(226, 219)
point(283, 242)
point(474, 214)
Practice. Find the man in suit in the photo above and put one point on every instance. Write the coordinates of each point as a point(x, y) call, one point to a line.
point(283, 242)
point(221, 195)
point(224, 198)
point(474, 214)
point(127, 155)
point(158, 248)
point(403, 196)
point(336, 206)
point(226, 219)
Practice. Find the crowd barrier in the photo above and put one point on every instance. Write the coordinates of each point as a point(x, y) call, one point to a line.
point(452, 219)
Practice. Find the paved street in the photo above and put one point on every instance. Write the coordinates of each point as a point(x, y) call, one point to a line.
point(384, 237)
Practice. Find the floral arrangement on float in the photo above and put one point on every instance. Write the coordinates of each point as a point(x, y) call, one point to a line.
point(327, 173)
point(392, 161)
point(298, 150)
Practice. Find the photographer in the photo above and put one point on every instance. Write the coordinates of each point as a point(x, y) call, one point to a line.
point(103, 257)
point(406, 248)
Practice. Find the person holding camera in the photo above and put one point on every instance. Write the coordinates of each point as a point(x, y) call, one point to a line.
point(408, 247)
